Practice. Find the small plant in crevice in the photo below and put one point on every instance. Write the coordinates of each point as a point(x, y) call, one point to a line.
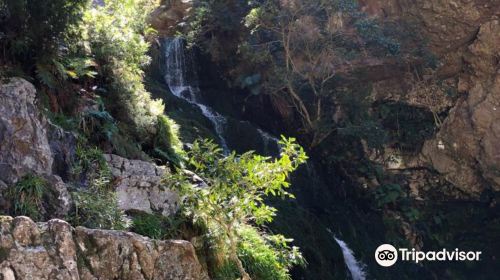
point(96, 205)
point(150, 225)
point(235, 200)
point(157, 226)
point(26, 197)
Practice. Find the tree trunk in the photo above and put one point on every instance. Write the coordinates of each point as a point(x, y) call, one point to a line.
point(234, 256)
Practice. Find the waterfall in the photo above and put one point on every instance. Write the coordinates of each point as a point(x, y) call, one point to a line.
point(183, 84)
point(356, 268)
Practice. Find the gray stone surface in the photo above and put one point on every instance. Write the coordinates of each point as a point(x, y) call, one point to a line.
point(138, 186)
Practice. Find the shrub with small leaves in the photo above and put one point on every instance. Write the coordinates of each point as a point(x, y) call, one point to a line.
point(236, 194)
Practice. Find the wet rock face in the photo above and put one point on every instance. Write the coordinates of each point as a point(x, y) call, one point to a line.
point(55, 250)
point(24, 145)
point(139, 188)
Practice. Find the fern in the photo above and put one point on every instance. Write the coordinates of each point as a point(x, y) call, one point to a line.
point(45, 76)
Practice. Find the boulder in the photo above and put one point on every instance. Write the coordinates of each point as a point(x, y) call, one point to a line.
point(55, 250)
point(139, 188)
point(25, 147)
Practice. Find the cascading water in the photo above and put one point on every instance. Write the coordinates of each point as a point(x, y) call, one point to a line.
point(176, 77)
point(356, 268)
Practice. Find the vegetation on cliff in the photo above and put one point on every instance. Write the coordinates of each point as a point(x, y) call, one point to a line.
point(87, 60)
point(393, 142)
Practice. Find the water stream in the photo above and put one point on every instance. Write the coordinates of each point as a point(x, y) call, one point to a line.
point(182, 86)
point(355, 267)
point(183, 83)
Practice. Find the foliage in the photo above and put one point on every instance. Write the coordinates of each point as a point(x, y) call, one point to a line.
point(408, 126)
point(216, 26)
point(114, 33)
point(389, 194)
point(296, 51)
point(236, 192)
point(74, 48)
point(395, 197)
point(96, 206)
point(149, 225)
point(157, 226)
point(90, 161)
point(34, 31)
point(264, 257)
point(97, 209)
point(166, 140)
point(27, 196)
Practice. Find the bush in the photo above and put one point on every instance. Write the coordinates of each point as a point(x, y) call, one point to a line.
point(150, 225)
point(97, 209)
point(264, 257)
point(114, 33)
point(235, 196)
point(167, 144)
point(26, 197)
point(35, 30)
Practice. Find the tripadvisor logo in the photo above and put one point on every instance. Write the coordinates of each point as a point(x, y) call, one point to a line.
point(387, 255)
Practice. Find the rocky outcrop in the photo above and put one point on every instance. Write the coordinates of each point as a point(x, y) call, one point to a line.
point(467, 147)
point(172, 13)
point(55, 250)
point(25, 147)
point(465, 37)
point(448, 26)
point(139, 188)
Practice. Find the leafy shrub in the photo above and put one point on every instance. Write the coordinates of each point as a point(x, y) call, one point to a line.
point(236, 192)
point(35, 30)
point(389, 194)
point(26, 197)
point(97, 209)
point(90, 162)
point(114, 33)
point(408, 127)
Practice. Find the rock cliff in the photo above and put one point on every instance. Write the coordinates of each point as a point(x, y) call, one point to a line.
point(465, 37)
point(55, 250)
